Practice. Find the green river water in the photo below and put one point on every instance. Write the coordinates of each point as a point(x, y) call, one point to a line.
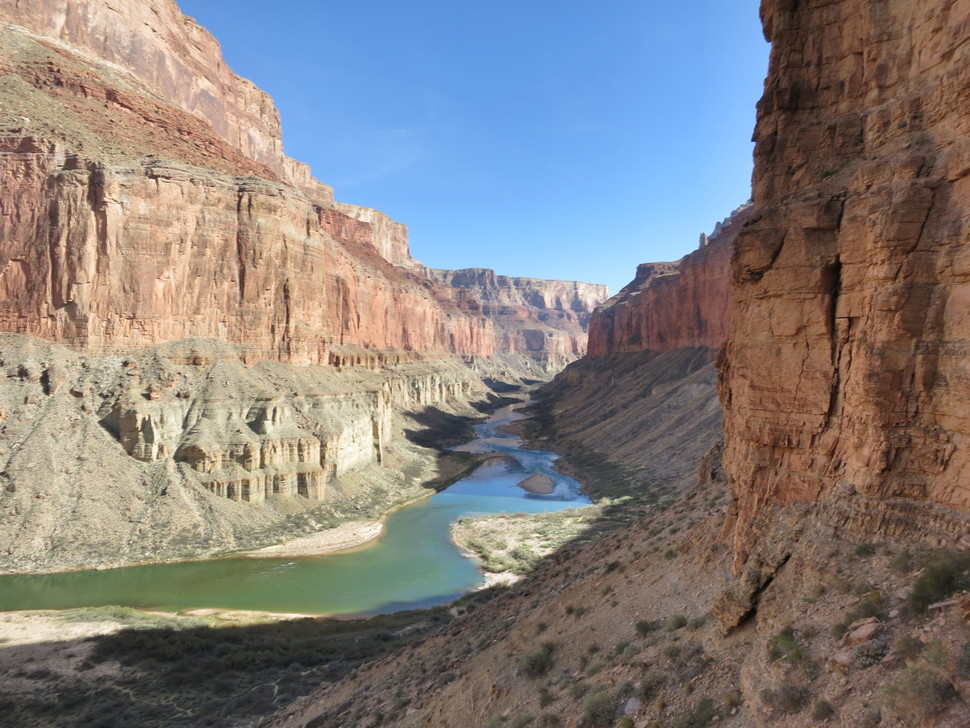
point(413, 564)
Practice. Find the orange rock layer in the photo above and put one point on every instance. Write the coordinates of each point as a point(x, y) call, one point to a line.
point(846, 369)
point(669, 306)
point(146, 199)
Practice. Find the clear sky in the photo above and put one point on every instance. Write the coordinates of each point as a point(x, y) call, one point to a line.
point(543, 138)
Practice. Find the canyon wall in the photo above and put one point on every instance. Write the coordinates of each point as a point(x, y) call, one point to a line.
point(128, 222)
point(136, 212)
point(151, 224)
point(644, 397)
point(845, 378)
point(110, 459)
point(672, 305)
point(169, 54)
point(545, 320)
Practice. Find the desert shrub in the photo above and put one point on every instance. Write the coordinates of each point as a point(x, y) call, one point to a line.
point(702, 714)
point(732, 699)
point(521, 721)
point(944, 574)
point(645, 627)
point(823, 710)
point(675, 622)
point(546, 698)
point(865, 549)
point(625, 722)
point(596, 666)
point(869, 653)
point(908, 647)
point(538, 663)
point(598, 709)
point(785, 646)
point(902, 562)
point(788, 698)
point(919, 693)
point(650, 685)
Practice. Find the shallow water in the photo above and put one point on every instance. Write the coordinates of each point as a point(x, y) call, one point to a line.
point(413, 564)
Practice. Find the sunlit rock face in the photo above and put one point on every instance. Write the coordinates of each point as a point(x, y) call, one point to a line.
point(669, 306)
point(543, 320)
point(845, 378)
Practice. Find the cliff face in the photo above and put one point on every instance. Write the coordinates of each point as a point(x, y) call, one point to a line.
point(673, 305)
point(146, 199)
point(845, 377)
point(107, 246)
point(191, 438)
point(644, 397)
point(545, 320)
point(171, 56)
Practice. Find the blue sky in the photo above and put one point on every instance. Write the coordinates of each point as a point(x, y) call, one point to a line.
point(547, 139)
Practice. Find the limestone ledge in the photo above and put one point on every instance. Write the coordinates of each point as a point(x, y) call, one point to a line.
point(162, 452)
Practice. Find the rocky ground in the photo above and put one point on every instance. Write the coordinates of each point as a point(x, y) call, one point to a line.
point(185, 451)
point(619, 631)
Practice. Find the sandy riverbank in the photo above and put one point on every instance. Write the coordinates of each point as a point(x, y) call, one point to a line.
point(344, 537)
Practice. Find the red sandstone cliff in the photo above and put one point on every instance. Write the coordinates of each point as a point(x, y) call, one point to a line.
point(845, 378)
point(146, 198)
point(672, 305)
point(545, 320)
point(644, 397)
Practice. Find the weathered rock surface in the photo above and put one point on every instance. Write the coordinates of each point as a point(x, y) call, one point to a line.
point(161, 453)
point(845, 377)
point(644, 397)
point(150, 222)
point(545, 320)
point(169, 54)
point(673, 305)
point(134, 212)
point(655, 414)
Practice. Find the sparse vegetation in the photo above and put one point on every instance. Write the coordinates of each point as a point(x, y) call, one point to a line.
point(785, 646)
point(598, 710)
point(944, 573)
point(919, 693)
point(787, 698)
point(675, 622)
point(823, 710)
point(538, 663)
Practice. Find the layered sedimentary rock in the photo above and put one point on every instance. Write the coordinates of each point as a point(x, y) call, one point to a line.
point(545, 320)
point(170, 55)
point(162, 452)
point(108, 243)
point(672, 305)
point(645, 394)
point(135, 212)
point(150, 223)
point(845, 378)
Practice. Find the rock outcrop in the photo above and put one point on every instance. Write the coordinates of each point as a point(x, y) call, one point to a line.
point(545, 320)
point(146, 199)
point(644, 397)
point(169, 55)
point(845, 378)
point(672, 305)
point(162, 452)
